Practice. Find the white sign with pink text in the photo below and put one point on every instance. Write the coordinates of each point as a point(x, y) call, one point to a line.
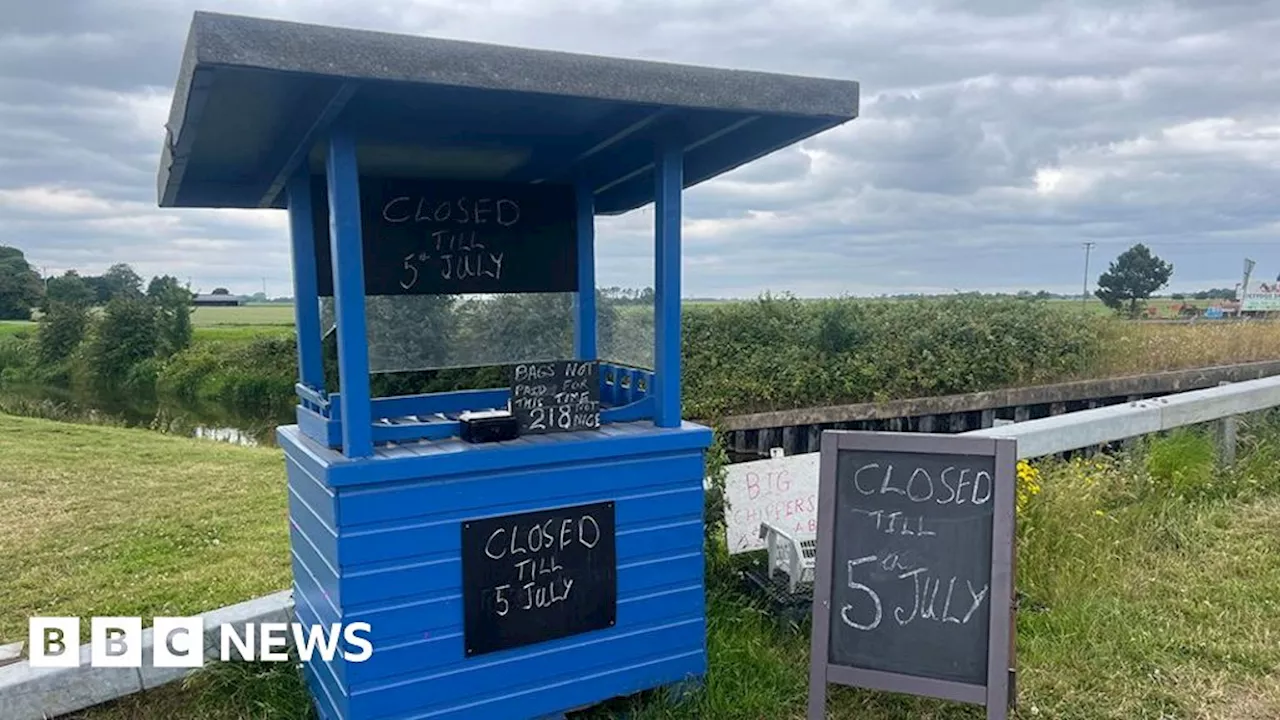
point(781, 491)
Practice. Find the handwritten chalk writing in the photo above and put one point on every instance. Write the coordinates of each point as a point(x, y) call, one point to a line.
point(586, 531)
point(919, 486)
point(456, 237)
point(534, 567)
point(924, 596)
point(537, 576)
point(540, 580)
point(448, 240)
point(897, 523)
point(541, 596)
point(462, 211)
point(925, 592)
point(503, 606)
point(875, 599)
point(556, 396)
point(527, 372)
point(452, 266)
point(563, 417)
point(894, 562)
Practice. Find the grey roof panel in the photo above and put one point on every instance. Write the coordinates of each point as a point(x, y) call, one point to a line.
point(253, 97)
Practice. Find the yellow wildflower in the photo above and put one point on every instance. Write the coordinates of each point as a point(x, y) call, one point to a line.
point(1028, 485)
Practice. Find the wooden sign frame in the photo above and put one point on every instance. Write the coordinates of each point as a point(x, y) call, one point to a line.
point(997, 694)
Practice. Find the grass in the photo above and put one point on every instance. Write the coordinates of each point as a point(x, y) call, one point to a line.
point(1152, 347)
point(103, 520)
point(1151, 580)
point(246, 315)
point(16, 327)
point(239, 333)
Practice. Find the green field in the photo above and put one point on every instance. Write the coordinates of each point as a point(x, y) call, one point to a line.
point(251, 315)
point(15, 327)
point(1151, 582)
point(254, 317)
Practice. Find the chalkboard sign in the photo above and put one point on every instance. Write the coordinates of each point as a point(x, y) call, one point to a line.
point(429, 237)
point(555, 396)
point(538, 576)
point(914, 567)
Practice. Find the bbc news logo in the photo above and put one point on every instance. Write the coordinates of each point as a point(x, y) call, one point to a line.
point(178, 642)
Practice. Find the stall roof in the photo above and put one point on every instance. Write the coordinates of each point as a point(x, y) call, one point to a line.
point(254, 97)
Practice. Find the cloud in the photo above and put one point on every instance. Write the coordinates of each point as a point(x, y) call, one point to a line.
point(995, 137)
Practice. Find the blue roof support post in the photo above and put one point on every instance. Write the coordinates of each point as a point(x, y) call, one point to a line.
point(668, 174)
point(584, 336)
point(306, 304)
point(346, 249)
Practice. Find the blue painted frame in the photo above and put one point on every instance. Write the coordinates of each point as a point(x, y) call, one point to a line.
point(668, 173)
point(346, 248)
point(584, 337)
point(306, 307)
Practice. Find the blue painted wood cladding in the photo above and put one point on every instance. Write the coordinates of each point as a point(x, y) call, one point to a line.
point(379, 540)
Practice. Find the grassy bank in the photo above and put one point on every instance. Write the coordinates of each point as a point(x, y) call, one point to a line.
point(101, 520)
point(1150, 581)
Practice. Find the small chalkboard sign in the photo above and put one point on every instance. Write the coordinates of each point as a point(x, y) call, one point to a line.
point(913, 582)
point(538, 576)
point(431, 237)
point(555, 396)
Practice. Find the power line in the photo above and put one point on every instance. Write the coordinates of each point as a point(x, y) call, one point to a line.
point(1084, 293)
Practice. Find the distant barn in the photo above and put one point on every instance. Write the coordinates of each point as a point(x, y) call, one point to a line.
point(217, 301)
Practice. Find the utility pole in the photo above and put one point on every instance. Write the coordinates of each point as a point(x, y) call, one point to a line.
point(1084, 295)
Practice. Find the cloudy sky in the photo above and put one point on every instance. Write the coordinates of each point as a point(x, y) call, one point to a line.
point(995, 137)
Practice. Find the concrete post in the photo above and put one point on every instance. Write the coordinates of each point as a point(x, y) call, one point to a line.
point(1227, 429)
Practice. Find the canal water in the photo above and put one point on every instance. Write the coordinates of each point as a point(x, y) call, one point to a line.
point(211, 421)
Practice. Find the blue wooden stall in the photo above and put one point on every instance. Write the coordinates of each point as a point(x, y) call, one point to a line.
point(382, 490)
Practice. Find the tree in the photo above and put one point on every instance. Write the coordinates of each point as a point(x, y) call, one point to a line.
point(220, 291)
point(1132, 278)
point(124, 337)
point(20, 286)
point(1216, 294)
point(62, 328)
point(69, 289)
point(121, 280)
point(173, 314)
point(101, 289)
